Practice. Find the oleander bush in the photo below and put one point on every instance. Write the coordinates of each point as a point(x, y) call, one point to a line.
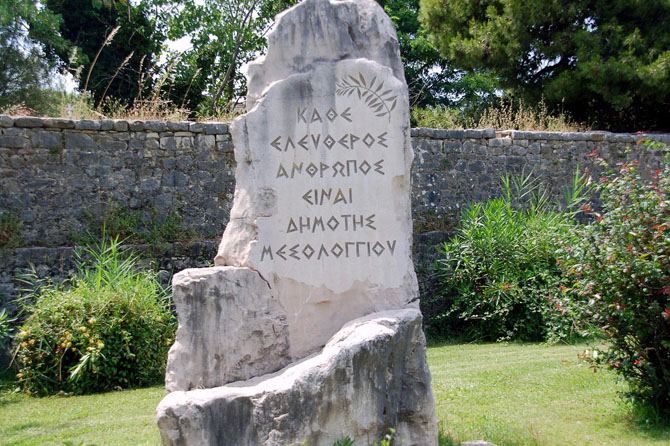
point(109, 327)
point(619, 271)
point(498, 274)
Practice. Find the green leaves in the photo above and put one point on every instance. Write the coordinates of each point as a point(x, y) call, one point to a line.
point(499, 272)
point(620, 279)
point(224, 36)
point(111, 327)
point(588, 59)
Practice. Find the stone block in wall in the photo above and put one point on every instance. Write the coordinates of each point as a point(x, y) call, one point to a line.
point(155, 126)
point(205, 142)
point(427, 145)
point(136, 126)
point(151, 144)
point(14, 141)
point(87, 124)
point(216, 128)
point(48, 139)
point(58, 123)
point(196, 127)
point(106, 124)
point(27, 122)
point(121, 126)
point(112, 144)
point(79, 141)
point(181, 126)
point(225, 146)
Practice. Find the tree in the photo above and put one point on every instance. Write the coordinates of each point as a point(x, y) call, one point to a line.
point(24, 69)
point(432, 80)
point(225, 35)
point(131, 51)
point(607, 62)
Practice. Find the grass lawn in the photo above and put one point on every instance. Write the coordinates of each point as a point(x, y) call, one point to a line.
point(117, 418)
point(531, 395)
point(511, 395)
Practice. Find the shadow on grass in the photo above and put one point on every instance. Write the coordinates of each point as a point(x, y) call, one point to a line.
point(7, 385)
point(647, 425)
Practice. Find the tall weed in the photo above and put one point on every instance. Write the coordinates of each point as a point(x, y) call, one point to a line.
point(508, 115)
point(10, 235)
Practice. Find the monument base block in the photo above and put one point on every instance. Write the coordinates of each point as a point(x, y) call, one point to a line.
point(372, 375)
point(231, 327)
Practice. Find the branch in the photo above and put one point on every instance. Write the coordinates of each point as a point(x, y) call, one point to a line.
point(233, 63)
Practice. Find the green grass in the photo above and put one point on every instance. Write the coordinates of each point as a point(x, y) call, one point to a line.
point(526, 395)
point(511, 395)
point(109, 419)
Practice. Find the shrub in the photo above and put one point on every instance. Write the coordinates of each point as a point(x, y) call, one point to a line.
point(111, 328)
point(499, 272)
point(620, 277)
point(440, 118)
point(522, 116)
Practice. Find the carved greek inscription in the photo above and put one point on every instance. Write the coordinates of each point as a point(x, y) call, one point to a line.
point(317, 197)
point(335, 162)
point(310, 141)
point(344, 249)
point(312, 114)
point(344, 168)
point(343, 222)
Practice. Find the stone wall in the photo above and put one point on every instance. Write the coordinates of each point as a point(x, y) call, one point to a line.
point(58, 175)
point(61, 176)
point(455, 167)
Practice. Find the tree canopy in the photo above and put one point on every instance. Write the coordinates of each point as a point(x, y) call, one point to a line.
point(431, 79)
point(224, 35)
point(605, 62)
point(24, 70)
point(123, 55)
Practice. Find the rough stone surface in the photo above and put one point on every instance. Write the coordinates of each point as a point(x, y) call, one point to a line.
point(322, 200)
point(231, 328)
point(331, 31)
point(371, 375)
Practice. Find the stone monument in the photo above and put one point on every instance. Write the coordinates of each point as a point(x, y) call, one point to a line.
point(317, 252)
